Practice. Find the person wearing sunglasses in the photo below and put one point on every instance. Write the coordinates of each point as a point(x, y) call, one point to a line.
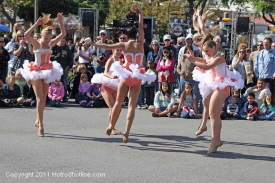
point(239, 63)
point(100, 55)
point(4, 58)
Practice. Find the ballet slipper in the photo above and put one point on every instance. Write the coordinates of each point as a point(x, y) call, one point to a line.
point(125, 137)
point(200, 131)
point(214, 146)
point(40, 132)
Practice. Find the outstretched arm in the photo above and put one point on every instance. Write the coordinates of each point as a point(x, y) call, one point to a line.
point(109, 46)
point(206, 66)
point(62, 28)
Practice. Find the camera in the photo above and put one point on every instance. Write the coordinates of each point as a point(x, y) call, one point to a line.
point(101, 56)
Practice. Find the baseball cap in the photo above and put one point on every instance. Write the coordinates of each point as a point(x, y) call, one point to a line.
point(103, 31)
point(87, 40)
point(165, 37)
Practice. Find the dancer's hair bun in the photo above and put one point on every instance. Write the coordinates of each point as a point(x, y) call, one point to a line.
point(48, 22)
point(130, 20)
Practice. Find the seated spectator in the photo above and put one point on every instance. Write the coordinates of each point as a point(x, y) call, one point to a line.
point(267, 109)
point(11, 93)
point(239, 100)
point(56, 93)
point(164, 101)
point(187, 106)
point(29, 95)
point(81, 69)
point(83, 88)
point(20, 81)
point(260, 91)
point(249, 107)
point(94, 96)
point(232, 108)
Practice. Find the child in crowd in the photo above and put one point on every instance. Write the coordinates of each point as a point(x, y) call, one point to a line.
point(56, 93)
point(94, 96)
point(20, 81)
point(29, 95)
point(232, 108)
point(239, 100)
point(150, 88)
point(83, 88)
point(164, 101)
point(11, 92)
point(187, 106)
point(165, 67)
point(250, 106)
point(267, 109)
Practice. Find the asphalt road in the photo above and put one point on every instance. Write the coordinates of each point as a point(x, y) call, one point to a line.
point(76, 149)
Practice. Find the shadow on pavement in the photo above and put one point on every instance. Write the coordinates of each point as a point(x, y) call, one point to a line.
point(173, 143)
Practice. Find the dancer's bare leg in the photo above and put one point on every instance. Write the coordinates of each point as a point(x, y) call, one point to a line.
point(110, 99)
point(205, 115)
point(215, 107)
point(39, 90)
point(133, 98)
point(121, 94)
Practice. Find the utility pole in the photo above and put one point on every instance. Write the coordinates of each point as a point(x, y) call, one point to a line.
point(35, 14)
point(168, 22)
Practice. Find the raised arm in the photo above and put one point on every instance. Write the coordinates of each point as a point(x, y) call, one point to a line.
point(140, 24)
point(62, 28)
point(200, 22)
point(28, 33)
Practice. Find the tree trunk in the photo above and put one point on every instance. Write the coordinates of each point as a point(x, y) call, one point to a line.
point(272, 21)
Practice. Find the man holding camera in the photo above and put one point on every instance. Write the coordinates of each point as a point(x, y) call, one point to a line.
point(100, 55)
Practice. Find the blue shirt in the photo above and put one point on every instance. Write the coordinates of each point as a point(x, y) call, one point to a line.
point(264, 66)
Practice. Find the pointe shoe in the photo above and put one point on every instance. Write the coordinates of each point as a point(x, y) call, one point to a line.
point(125, 138)
point(109, 131)
point(200, 131)
point(41, 132)
point(214, 146)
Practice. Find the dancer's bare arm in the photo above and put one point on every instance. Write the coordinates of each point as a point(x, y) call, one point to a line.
point(62, 28)
point(109, 62)
point(120, 45)
point(206, 66)
point(140, 24)
point(28, 33)
point(200, 22)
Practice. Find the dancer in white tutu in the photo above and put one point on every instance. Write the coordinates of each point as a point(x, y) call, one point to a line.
point(130, 74)
point(109, 84)
point(215, 81)
point(42, 71)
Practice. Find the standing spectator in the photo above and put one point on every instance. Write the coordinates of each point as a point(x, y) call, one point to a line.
point(85, 54)
point(22, 51)
point(253, 55)
point(56, 93)
point(167, 44)
point(239, 63)
point(165, 67)
point(29, 95)
point(264, 66)
point(150, 88)
point(36, 36)
point(220, 50)
point(7, 38)
point(101, 55)
point(152, 55)
point(273, 45)
point(188, 41)
point(4, 58)
point(180, 43)
point(66, 62)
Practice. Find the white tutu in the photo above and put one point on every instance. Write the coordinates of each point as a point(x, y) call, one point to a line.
point(207, 85)
point(47, 75)
point(123, 73)
point(108, 82)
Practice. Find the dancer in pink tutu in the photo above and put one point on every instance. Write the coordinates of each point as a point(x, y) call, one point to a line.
point(130, 74)
point(42, 71)
point(109, 84)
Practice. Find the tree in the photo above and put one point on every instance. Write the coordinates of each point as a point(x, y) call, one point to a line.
point(14, 6)
point(263, 8)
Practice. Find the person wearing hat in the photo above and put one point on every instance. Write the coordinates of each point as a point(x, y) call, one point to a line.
point(85, 53)
point(167, 43)
point(100, 55)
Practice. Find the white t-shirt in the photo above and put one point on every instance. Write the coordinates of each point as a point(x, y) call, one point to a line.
point(86, 54)
point(189, 100)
